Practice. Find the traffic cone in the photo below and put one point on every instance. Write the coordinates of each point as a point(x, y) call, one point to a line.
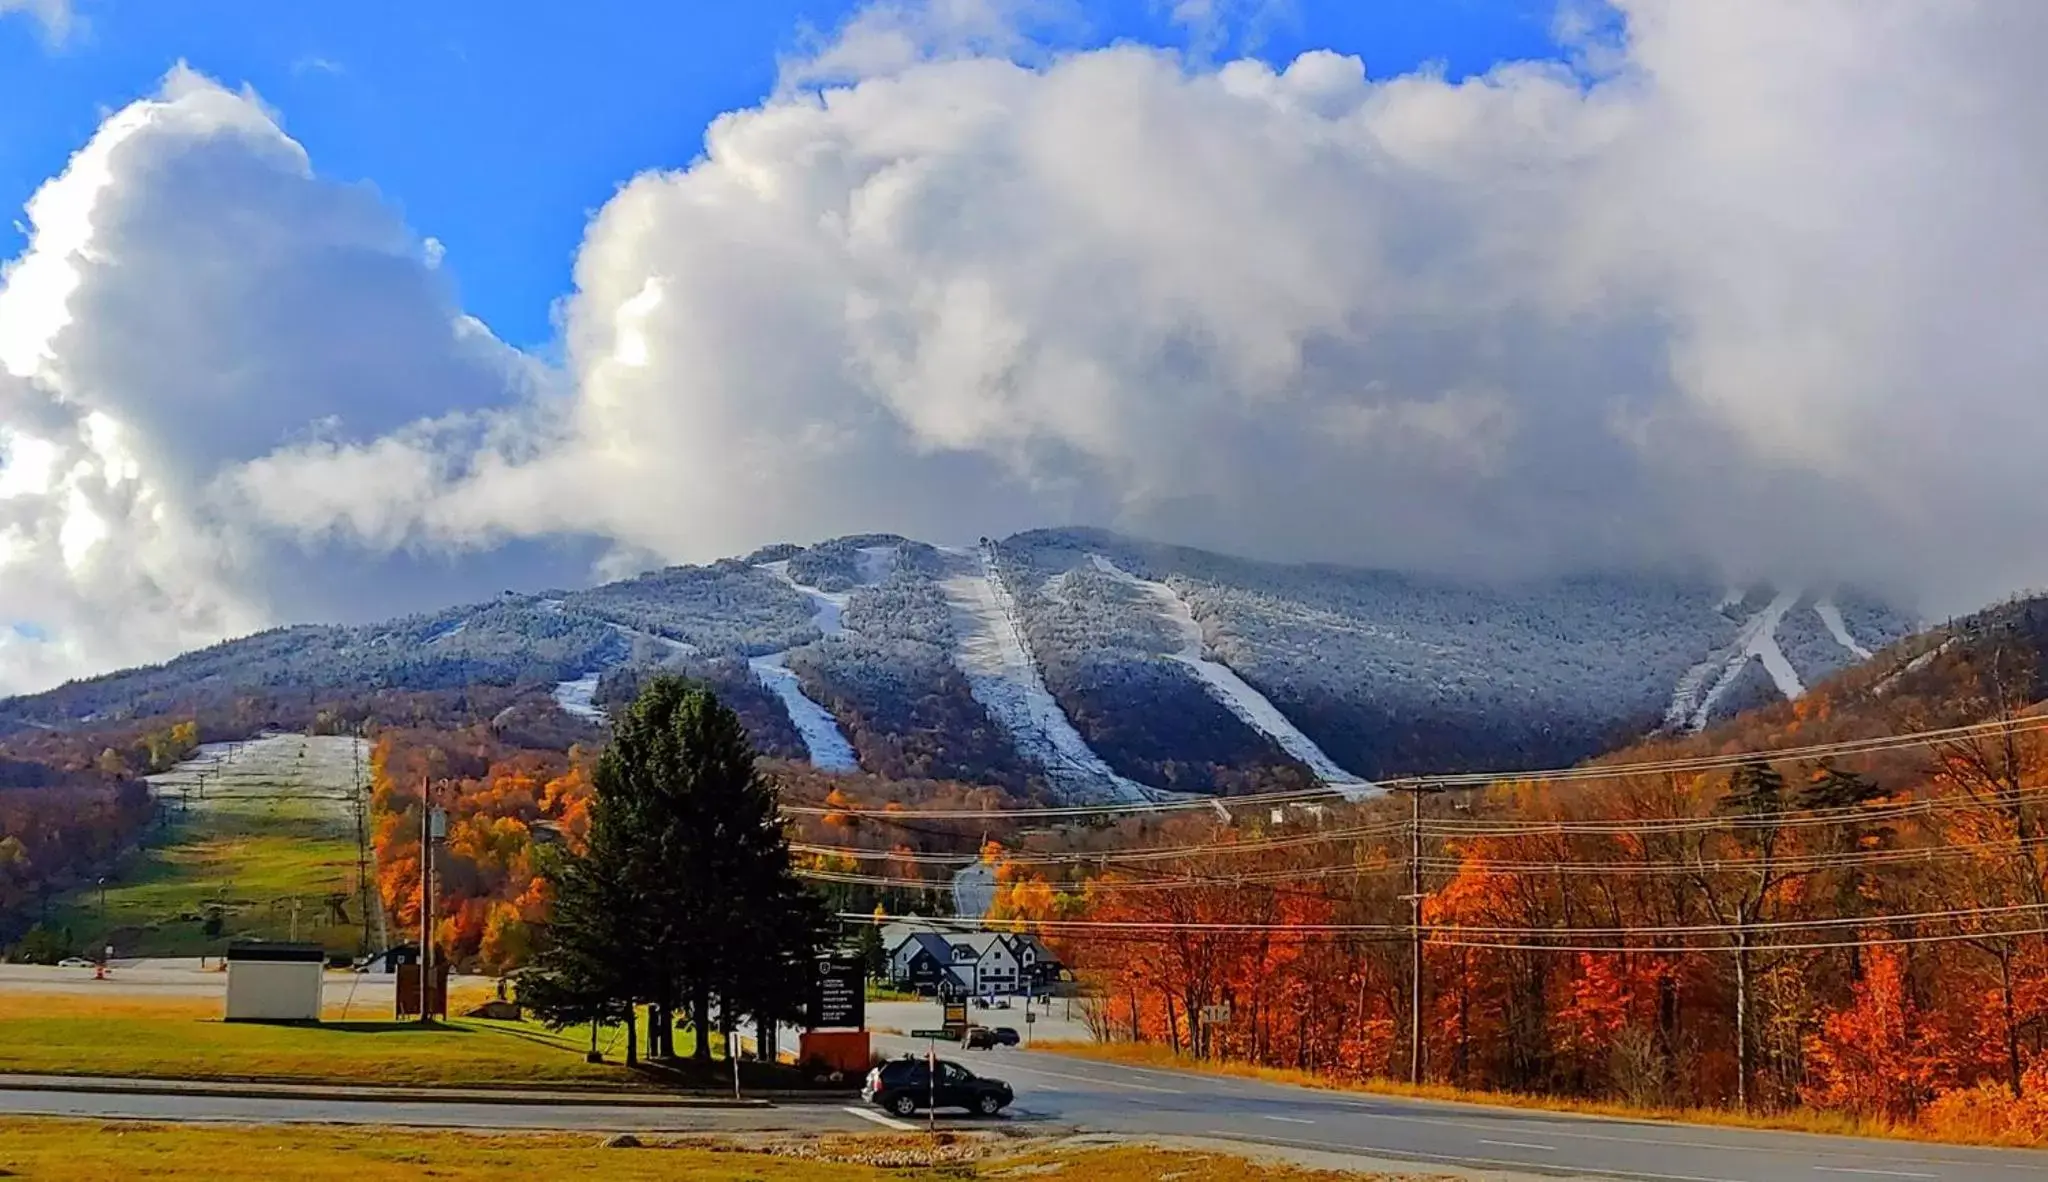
point(99, 971)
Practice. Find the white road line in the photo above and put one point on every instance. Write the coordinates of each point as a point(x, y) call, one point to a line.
point(1520, 1145)
point(1293, 1120)
point(885, 1121)
point(1886, 1173)
point(1107, 1083)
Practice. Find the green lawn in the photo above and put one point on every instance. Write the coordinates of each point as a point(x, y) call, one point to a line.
point(249, 857)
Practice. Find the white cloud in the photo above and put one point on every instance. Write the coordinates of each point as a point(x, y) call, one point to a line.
point(192, 298)
point(1751, 284)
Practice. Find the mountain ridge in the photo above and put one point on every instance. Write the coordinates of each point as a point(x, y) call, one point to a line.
point(1096, 665)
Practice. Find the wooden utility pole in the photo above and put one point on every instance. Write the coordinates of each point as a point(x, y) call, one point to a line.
point(1415, 936)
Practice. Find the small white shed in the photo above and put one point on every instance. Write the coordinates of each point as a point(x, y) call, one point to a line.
point(274, 982)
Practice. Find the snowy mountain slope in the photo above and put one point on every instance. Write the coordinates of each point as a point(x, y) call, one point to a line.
point(1247, 703)
point(999, 666)
point(1388, 673)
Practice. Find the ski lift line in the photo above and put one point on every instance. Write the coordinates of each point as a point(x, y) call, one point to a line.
point(1427, 783)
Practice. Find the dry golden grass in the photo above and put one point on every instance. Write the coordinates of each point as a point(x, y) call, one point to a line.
point(88, 1151)
point(1798, 1120)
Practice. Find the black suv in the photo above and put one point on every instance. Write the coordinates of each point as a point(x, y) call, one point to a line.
point(983, 1038)
point(905, 1085)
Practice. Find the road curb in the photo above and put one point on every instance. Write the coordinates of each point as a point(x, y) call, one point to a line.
point(378, 1093)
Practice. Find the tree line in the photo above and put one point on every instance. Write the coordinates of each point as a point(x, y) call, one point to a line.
point(1774, 937)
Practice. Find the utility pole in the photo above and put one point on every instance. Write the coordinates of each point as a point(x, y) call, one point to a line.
point(362, 839)
point(1415, 930)
point(426, 895)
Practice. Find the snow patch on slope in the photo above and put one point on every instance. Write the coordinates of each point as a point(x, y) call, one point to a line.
point(1758, 639)
point(1831, 615)
point(1005, 680)
point(1251, 707)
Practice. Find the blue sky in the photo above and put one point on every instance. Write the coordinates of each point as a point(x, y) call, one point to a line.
point(498, 127)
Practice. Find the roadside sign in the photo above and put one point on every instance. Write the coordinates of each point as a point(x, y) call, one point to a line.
point(943, 1035)
point(437, 824)
point(1214, 1015)
point(839, 993)
point(1030, 1016)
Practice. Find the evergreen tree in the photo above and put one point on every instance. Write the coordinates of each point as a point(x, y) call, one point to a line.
point(588, 968)
point(685, 895)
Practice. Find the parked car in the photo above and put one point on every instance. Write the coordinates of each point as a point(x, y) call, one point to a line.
point(74, 962)
point(905, 1085)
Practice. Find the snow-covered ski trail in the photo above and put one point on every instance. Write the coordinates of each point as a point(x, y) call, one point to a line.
point(824, 742)
point(1005, 680)
point(1757, 638)
point(575, 697)
point(1831, 615)
point(1250, 706)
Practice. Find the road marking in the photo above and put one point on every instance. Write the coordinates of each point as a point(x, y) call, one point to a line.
point(1107, 1083)
point(1520, 1145)
point(1293, 1120)
point(1886, 1173)
point(885, 1121)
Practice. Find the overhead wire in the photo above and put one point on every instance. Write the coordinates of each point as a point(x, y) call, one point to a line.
point(1442, 781)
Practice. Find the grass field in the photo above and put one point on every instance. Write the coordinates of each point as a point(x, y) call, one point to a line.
point(94, 1150)
point(69, 1035)
point(273, 831)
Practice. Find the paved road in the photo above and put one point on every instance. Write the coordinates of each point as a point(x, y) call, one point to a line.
point(1057, 1091)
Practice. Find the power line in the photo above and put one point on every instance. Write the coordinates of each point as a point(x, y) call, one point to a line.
point(1443, 933)
point(1579, 773)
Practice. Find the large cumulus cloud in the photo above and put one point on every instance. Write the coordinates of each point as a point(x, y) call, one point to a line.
point(1744, 284)
point(194, 297)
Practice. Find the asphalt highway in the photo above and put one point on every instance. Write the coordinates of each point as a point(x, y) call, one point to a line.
point(1059, 1091)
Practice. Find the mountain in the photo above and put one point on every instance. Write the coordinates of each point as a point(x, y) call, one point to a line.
point(1083, 663)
